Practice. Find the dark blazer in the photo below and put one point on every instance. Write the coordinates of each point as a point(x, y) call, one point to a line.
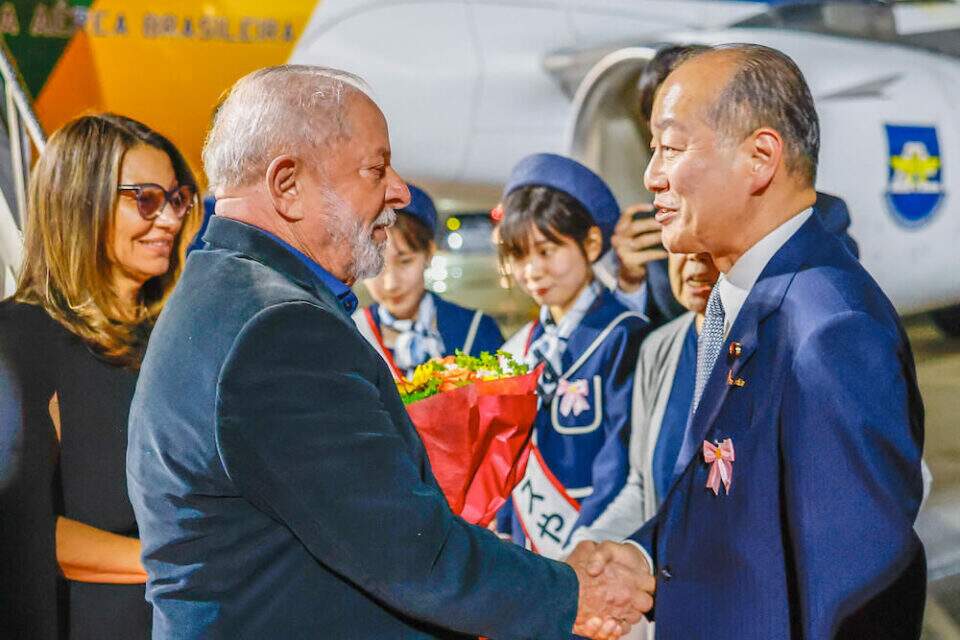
point(81, 476)
point(815, 539)
point(835, 217)
point(282, 491)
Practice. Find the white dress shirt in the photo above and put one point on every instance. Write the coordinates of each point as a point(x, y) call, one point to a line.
point(735, 285)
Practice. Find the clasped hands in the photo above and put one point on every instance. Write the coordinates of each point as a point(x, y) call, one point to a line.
point(616, 588)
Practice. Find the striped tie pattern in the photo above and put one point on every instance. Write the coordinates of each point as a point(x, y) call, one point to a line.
point(708, 344)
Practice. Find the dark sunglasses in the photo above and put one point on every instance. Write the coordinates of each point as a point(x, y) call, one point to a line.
point(152, 198)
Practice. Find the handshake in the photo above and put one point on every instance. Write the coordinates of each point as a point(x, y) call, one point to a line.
point(616, 588)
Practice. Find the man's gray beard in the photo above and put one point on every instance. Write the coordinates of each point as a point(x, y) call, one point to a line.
point(346, 230)
point(367, 252)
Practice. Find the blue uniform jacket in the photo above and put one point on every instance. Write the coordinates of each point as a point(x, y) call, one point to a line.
point(454, 323)
point(280, 488)
point(815, 538)
point(588, 452)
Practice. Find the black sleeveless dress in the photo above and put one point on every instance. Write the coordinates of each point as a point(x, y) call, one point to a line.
point(83, 478)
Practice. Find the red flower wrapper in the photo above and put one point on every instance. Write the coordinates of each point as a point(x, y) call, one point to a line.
point(477, 437)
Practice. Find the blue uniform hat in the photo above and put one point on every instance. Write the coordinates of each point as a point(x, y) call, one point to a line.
point(575, 180)
point(421, 207)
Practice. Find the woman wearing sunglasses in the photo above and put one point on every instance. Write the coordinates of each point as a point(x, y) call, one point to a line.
point(109, 200)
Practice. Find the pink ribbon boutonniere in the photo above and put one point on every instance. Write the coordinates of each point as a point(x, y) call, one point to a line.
point(720, 458)
point(573, 397)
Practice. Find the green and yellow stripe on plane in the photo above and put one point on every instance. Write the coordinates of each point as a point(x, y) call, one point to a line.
point(165, 62)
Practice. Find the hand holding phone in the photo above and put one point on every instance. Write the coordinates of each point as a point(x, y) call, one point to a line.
point(637, 240)
point(647, 230)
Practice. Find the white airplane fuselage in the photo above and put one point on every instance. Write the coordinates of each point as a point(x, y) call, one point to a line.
point(467, 93)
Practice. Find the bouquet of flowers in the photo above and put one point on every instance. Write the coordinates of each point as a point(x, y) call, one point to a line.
point(474, 415)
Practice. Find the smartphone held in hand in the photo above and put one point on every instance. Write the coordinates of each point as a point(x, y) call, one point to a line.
point(647, 214)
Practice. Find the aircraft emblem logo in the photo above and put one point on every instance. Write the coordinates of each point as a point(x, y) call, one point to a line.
point(915, 173)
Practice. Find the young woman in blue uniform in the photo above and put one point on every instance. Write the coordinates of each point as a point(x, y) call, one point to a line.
point(557, 220)
point(407, 324)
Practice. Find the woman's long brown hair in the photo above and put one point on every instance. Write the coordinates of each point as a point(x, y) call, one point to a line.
point(72, 204)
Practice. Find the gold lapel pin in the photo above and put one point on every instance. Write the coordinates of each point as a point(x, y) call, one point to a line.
point(735, 349)
point(735, 382)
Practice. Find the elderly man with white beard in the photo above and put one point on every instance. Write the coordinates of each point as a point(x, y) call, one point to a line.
point(279, 486)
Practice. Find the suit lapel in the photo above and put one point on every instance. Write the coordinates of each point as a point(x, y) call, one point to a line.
point(765, 298)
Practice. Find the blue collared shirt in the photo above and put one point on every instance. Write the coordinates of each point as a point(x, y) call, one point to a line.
point(344, 294)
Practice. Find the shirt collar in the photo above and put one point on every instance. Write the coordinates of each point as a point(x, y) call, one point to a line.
point(607, 269)
point(425, 318)
point(344, 294)
point(735, 285)
point(571, 320)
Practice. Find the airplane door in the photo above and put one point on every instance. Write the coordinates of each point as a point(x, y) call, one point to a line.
point(604, 129)
point(422, 63)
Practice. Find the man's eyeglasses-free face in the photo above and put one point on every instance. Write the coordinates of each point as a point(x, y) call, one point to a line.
point(152, 198)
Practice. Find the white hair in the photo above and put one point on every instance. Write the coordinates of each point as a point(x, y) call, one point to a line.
point(273, 111)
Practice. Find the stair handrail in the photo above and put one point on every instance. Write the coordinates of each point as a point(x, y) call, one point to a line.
point(21, 122)
point(16, 93)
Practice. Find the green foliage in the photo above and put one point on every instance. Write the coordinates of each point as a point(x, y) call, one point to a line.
point(456, 371)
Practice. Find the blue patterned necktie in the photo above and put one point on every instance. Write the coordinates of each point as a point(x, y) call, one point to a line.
point(708, 344)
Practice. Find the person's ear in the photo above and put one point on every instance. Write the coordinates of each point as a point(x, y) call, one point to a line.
point(593, 243)
point(431, 249)
point(283, 185)
point(765, 148)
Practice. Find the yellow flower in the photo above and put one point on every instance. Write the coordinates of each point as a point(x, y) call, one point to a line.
point(421, 375)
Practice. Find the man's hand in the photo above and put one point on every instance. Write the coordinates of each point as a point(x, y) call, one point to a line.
point(636, 243)
point(616, 588)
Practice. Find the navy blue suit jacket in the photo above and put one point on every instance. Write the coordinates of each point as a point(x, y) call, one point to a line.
point(280, 488)
point(815, 538)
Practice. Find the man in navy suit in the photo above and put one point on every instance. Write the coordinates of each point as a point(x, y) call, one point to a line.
point(279, 486)
point(792, 507)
